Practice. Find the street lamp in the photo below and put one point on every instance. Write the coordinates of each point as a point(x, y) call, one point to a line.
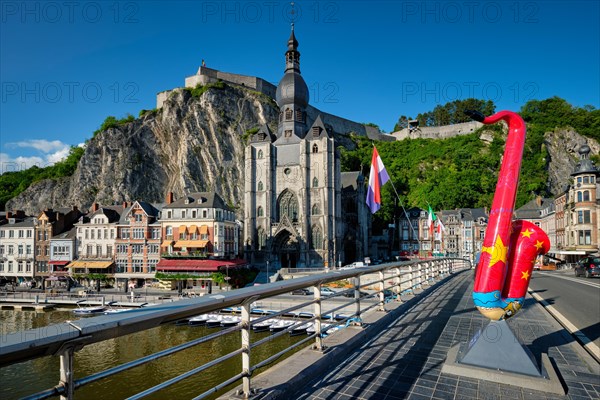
point(268, 280)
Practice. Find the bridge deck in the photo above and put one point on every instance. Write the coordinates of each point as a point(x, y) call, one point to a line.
point(404, 360)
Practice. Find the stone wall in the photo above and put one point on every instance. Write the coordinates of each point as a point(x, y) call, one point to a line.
point(438, 132)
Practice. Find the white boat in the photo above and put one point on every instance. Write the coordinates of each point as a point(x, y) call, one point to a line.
point(264, 325)
point(201, 319)
point(324, 327)
point(214, 321)
point(300, 329)
point(230, 321)
point(88, 310)
point(281, 325)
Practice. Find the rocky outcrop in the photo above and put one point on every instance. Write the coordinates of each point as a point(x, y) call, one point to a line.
point(191, 144)
point(563, 146)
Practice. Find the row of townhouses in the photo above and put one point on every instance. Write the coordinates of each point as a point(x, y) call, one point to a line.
point(129, 243)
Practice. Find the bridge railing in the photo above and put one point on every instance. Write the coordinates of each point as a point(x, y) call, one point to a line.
point(65, 339)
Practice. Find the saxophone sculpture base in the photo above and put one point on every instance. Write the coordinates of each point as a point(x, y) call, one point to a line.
point(495, 354)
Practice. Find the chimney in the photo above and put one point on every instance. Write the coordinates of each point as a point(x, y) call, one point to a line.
point(9, 215)
point(169, 199)
point(538, 201)
point(94, 207)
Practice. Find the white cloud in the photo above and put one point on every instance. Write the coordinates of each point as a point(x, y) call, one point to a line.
point(8, 163)
point(51, 152)
point(45, 146)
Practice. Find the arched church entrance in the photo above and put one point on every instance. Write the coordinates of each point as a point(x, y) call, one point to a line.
point(286, 249)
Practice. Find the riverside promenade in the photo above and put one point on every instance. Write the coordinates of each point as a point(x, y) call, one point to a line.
point(400, 355)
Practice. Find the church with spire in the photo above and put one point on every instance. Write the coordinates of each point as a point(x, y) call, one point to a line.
point(301, 211)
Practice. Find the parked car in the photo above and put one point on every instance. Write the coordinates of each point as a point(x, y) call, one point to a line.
point(325, 291)
point(302, 292)
point(350, 293)
point(588, 266)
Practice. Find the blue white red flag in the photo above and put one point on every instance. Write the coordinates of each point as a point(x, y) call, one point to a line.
point(377, 178)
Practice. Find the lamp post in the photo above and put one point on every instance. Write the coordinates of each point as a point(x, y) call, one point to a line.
point(268, 280)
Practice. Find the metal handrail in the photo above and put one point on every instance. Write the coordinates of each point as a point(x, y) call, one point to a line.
point(66, 338)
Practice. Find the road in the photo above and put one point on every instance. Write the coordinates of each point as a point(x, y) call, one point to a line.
point(575, 302)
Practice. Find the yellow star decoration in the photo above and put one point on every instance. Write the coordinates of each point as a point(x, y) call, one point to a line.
point(527, 233)
point(498, 252)
point(524, 275)
point(538, 244)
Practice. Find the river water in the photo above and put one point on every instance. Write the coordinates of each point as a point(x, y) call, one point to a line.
point(32, 376)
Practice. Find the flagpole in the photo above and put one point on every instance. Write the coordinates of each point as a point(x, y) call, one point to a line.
point(403, 209)
point(406, 215)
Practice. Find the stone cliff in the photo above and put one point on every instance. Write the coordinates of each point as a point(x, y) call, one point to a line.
point(191, 144)
point(562, 145)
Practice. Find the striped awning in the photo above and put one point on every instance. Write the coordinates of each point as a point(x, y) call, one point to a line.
point(167, 243)
point(192, 229)
point(203, 230)
point(183, 228)
point(90, 264)
point(191, 243)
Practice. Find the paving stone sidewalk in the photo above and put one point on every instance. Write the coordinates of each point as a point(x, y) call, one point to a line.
point(404, 361)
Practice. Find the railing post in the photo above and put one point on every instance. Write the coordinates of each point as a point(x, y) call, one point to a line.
point(357, 287)
point(397, 283)
point(318, 339)
point(246, 349)
point(66, 372)
point(411, 279)
point(381, 288)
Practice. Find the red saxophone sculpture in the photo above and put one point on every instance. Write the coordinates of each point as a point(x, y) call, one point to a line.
point(509, 248)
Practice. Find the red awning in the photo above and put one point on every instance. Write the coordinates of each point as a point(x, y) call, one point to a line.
point(197, 265)
point(53, 262)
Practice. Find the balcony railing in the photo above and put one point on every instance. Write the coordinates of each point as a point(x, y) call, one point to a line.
point(186, 254)
point(390, 280)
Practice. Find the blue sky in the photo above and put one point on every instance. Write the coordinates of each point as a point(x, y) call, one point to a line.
point(65, 66)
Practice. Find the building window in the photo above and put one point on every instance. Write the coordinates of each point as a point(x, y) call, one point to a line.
point(260, 186)
point(288, 114)
point(29, 234)
point(585, 237)
point(315, 148)
point(169, 232)
point(287, 133)
point(138, 233)
point(583, 217)
point(317, 238)
point(261, 238)
point(125, 233)
point(586, 195)
point(287, 205)
point(121, 266)
point(260, 154)
point(204, 214)
point(259, 211)
point(299, 116)
point(194, 214)
point(138, 217)
point(316, 131)
point(98, 250)
point(315, 182)
point(155, 233)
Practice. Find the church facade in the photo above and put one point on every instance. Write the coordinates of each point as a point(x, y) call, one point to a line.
point(300, 210)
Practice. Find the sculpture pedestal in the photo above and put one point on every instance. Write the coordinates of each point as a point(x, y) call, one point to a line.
point(495, 354)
